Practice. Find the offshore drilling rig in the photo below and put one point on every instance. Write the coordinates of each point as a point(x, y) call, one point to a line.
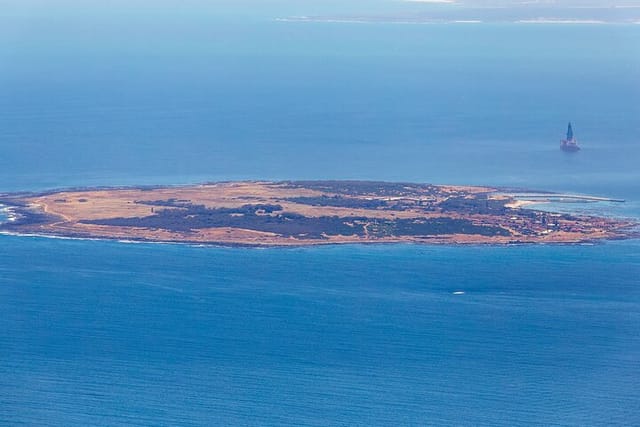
point(570, 143)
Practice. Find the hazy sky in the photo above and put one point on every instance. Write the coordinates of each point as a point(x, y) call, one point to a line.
point(280, 7)
point(45, 17)
point(520, 3)
point(221, 5)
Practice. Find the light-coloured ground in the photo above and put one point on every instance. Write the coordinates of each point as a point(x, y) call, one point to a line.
point(69, 208)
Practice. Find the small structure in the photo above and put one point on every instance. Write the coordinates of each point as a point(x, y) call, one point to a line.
point(569, 144)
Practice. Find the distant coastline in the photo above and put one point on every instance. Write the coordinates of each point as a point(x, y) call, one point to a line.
point(433, 21)
point(301, 213)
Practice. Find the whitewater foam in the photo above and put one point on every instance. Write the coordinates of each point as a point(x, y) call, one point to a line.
point(7, 214)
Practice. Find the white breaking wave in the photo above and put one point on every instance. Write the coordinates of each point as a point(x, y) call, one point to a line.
point(7, 214)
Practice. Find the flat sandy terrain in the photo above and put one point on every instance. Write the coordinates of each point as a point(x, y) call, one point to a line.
point(301, 213)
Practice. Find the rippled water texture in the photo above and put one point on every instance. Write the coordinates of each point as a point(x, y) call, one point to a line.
point(107, 333)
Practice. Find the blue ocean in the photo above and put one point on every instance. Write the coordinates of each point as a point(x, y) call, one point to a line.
point(108, 333)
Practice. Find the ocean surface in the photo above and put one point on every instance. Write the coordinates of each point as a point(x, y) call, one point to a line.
point(105, 333)
point(112, 333)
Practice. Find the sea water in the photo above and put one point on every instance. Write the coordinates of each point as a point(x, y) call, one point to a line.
point(105, 333)
point(110, 333)
point(477, 104)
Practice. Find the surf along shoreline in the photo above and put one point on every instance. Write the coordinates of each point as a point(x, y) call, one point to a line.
point(306, 213)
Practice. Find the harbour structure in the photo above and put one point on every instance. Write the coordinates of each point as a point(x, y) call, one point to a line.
point(569, 144)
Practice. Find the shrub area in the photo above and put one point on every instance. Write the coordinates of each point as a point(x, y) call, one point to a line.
point(271, 218)
point(339, 202)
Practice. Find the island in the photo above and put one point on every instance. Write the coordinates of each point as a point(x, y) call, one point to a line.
point(297, 213)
